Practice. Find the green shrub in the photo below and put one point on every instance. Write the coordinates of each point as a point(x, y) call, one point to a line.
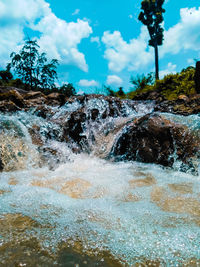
point(170, 87)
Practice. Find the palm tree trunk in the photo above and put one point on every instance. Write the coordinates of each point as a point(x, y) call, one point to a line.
point(156, 62)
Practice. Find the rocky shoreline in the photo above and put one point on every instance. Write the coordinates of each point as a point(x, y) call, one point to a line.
point(149, 138)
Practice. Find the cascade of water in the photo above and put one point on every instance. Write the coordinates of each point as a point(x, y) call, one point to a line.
point(134, 212)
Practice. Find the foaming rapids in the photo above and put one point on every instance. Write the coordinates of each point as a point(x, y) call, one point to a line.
point(63, 208)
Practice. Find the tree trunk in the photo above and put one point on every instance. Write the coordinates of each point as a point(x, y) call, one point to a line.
point(197, 77)
point(156, 63)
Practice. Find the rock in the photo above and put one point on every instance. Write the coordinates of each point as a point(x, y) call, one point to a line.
point(183, 97)
point(35, 101)
point(1, 164)
point(35, 135)
point(14, 96)
point(154, 139)
point(33, 95)
point(150, 95)
point(8, 106)
point(55, 99)
point(5, 89)
point(184, 105)
point(74, 127)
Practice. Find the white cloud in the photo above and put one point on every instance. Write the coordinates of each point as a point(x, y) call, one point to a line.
point(23, 10)
point(76, 12)
point(171, 68)
point(136, 54)
point(133, 55)
point(10, 38)
point(87, 83)
point(60, 39)
point(114, 80)
point(185, 34)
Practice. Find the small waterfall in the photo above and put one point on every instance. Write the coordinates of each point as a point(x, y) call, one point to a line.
point(63, 202)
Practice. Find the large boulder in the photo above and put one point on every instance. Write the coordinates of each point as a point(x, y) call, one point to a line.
point(154, 139)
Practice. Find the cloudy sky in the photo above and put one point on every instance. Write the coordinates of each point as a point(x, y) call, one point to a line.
point(100, 41)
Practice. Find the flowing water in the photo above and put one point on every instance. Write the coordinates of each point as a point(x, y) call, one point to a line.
point(82, 210)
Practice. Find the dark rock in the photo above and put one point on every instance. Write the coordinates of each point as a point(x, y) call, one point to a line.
point(154, 139)
point(74, 127)
point(55, 99)
point(189, 166)
point(8, 106)
point(1, 164)
point(94, 114)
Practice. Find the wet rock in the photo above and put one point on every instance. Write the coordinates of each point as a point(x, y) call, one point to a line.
point(93, 111)
point(14, 153)
point(94, 114)
point(75, 188)
point(55, 99)
point(149, 180)
point(182, 188)
point(16, 223)
point(34, 102)
point(25, 253)
point(153, 139)
point(1, 164)
point(75, 253)
point(35, 135)
point(8, 106)
point(178, 204)
point(74, 127)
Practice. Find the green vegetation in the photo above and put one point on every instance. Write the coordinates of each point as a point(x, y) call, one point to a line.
point(6, 79)
point(170, 87)
point(152, 16)
point(67, 89)
point(141, 81)
point(34, 72)
point(110, 92)
point(6, 75)
point(32, 67)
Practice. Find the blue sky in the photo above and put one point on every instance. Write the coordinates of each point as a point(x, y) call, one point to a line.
point(100, 41)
